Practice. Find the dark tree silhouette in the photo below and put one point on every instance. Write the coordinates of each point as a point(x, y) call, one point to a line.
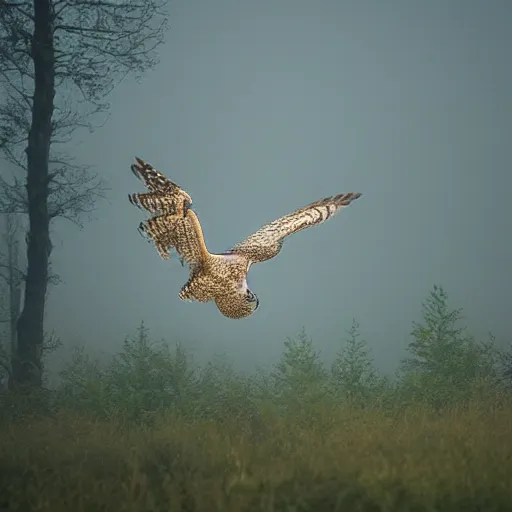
point(59, 59)
point(11, 279)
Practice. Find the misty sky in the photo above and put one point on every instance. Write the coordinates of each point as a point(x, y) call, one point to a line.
point(258, 108)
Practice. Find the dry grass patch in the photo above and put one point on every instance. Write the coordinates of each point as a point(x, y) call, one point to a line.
point(352, 461)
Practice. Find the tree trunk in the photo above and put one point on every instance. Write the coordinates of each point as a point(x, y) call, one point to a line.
point(14, 284)
point(27, 363)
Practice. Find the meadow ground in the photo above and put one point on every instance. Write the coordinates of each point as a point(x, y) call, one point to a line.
point(340, 460)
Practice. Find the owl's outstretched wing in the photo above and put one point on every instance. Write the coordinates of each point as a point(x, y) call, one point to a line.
point(268, 240)
point(178, 232)
point(164, 195)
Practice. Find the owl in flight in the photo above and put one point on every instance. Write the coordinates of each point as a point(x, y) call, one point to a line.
point(218, 277)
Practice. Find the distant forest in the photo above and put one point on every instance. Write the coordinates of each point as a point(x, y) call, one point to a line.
point(445, 366)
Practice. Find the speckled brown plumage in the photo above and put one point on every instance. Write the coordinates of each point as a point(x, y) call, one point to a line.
point(218, 277)
point(164, 196)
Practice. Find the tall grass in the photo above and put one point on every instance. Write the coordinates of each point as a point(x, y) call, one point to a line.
point(350, 460)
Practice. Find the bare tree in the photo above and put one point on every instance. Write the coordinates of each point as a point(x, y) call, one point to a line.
point(59, 60)
point(11, 278)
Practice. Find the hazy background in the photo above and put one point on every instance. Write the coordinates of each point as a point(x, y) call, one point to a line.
point(258, 108)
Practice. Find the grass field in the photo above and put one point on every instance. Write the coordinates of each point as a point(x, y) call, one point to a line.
point(343, 460)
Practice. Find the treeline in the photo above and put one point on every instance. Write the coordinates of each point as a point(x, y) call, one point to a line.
point(445, 366)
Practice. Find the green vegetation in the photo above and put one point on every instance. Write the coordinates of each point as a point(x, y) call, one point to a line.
point(151, 431)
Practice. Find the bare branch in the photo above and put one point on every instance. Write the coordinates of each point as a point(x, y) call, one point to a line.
point(73, 189)
point(12, 196)
point(97, 44)
point(101, 41)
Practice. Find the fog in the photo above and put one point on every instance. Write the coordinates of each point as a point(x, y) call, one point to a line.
point(258, 108)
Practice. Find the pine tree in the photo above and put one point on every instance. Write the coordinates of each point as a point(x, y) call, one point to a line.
point(146, 376)
point(353, 375)
point(445, 360)
point(300, 376)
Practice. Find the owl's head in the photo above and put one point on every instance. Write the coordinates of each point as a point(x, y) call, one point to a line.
point(252, 300)
point(241, 304)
